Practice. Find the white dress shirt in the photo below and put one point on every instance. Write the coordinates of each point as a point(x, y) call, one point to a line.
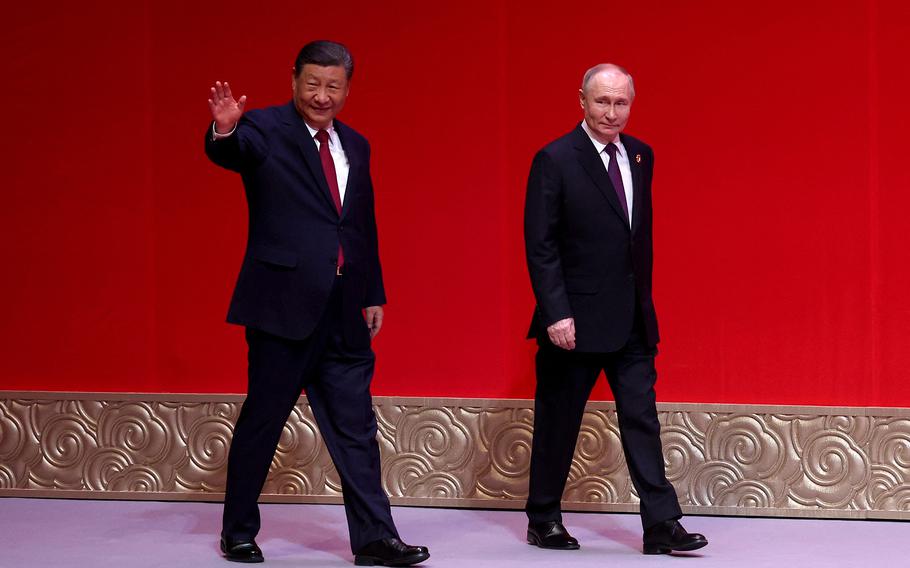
point(342, 166)
point(622, 159)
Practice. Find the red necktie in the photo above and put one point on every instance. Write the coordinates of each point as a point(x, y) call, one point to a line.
point(328, 168)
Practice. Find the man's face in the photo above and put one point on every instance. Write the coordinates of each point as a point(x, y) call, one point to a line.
point(319, 93)
point(607, 101)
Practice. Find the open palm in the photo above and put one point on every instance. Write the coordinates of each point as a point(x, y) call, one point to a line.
point(225, 110)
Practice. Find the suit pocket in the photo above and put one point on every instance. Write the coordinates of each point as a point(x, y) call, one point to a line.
point(583, 284)
point(274, 256)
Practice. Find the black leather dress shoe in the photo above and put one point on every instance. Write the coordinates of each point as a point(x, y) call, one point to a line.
point(390, 552)
point(241, 550)
point(551, 534)
point(668, 536)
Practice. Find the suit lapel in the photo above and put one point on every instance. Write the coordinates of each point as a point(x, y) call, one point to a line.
point(594, 166)
point(633, 152)
point(308, 149)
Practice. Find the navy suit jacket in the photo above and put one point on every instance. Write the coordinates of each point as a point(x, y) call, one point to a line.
point(288, 270)
point(584, 260)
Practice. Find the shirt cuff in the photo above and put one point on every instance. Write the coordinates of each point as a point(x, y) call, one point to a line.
point(218, 135)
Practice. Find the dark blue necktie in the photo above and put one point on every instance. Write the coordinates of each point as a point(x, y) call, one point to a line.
point(616, 177)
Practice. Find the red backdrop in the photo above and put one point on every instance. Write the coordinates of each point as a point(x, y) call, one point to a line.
point(781, 187)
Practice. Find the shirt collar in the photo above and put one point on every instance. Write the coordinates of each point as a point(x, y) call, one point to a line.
point(600, 145)
point(330, 130)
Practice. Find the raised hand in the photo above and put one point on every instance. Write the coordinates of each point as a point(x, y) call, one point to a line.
point(225, 110)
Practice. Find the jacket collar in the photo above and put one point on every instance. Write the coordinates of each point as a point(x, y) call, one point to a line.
point(310, 151)
point(593, 164)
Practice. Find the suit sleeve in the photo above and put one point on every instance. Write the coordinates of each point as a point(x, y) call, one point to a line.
point(541, 225)
point(375, 291)
point(244, 149)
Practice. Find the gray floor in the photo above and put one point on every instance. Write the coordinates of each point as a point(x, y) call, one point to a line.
point(39, 533)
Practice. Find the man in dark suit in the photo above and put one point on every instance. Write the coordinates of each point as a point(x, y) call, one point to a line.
point(589, 253)
point(310, 294)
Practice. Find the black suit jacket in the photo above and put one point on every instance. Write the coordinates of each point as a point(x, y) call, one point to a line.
point(584, 260)
point(294, 228)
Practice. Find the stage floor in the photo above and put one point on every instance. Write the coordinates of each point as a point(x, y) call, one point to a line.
point(59, 533)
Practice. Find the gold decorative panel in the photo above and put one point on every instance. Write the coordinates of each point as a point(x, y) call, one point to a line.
point(723, 459)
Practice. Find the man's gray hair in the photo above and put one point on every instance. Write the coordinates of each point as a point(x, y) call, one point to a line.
point(589, 74)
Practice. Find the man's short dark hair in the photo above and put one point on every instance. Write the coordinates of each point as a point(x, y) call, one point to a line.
point(325, 53)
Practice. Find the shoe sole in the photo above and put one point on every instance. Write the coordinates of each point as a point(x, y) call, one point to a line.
point(376, 561)
point(533, 541)
point(660, 549)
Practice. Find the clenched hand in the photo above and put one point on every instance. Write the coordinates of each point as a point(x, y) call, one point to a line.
point(373, 317)
point(562, 333)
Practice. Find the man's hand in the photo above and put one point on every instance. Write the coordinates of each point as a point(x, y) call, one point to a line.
point(225, 110)
point(562, 333)
point(373, 317)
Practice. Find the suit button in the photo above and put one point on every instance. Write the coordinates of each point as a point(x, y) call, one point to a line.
point(340, 228)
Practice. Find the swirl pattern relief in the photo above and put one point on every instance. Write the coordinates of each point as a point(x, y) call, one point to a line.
point(730, 459)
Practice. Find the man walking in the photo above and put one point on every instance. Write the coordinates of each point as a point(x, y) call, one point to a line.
point(310, 295)
point(589, 254)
